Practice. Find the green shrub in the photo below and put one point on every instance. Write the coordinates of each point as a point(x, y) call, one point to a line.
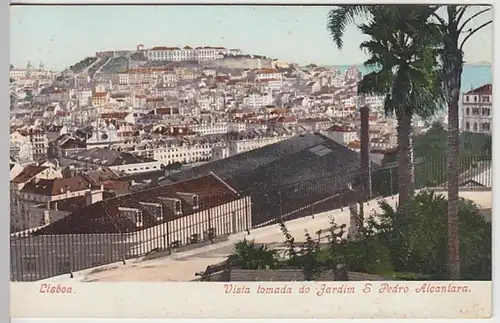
point(419, 242)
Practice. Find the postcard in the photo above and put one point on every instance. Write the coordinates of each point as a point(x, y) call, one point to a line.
point(171, 161)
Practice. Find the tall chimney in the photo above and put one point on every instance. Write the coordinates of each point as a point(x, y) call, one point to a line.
point(363, 182)
point(366, 182)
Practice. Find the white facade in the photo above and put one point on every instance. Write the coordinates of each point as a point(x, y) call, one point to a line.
point(341, 135)
point(257, 100)
point(210, 128)
point(184, 54)
point(183, 154)
point(103, 135)
point(28, 145)
point(137, 168)
point(242, 145)
point(477, 110)
point(83, 98)
point(268, 75)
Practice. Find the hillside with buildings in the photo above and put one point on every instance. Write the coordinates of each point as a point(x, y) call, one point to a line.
point(127, 140)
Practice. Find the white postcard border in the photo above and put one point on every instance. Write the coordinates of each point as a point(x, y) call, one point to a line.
point(5, 35)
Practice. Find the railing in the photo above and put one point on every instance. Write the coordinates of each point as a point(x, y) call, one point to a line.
point(35, 257)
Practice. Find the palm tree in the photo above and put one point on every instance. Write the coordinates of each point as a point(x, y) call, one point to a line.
point(453, 27)
point(248, 255)
point(402, 55)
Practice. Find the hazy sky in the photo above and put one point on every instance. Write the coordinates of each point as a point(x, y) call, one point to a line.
point(62, 35)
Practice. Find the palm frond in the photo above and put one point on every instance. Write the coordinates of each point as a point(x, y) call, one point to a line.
point(340, 17)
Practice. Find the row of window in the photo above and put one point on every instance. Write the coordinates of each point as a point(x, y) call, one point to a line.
point(485, 126)
point(128, 170)
point(484, 99)
point(475, 111)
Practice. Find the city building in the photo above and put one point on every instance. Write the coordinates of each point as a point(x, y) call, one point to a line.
point(476, 110)
point(119, 162)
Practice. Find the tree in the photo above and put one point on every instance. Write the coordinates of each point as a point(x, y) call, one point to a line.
point(452, 27)
point(403, 50)
point(419, 244)
point(248, 255)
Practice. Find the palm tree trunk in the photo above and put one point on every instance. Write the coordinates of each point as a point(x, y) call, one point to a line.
point(406, 183)
point(453, 64)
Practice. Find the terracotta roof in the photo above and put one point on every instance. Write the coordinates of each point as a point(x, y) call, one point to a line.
point(100, 94)
point(267, 71)
point(341, 129)
point(160, 48)
point(56, 186)
point(115, 184)
point(105, 216)
point(486, 89)
point(28, 173)
point(114, 115)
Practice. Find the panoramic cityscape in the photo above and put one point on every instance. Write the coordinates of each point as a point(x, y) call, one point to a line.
point(227, 151)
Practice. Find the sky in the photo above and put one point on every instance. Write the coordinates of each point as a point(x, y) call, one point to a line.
point(59, 36)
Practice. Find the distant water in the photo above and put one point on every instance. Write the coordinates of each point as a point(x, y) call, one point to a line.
point(473, 76)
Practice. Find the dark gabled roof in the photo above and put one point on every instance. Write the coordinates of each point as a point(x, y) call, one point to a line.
point(249, 161)
point(56, 186)
point(99, 175)
point(28, 173)
point(105, 216)
point(287, 176)
point(485, 89)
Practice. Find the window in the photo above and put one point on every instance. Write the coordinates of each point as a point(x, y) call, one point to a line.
point(177, 206)
point(467, 111)
point(138, 217)
point(486, 99)
point(486, 126)
point(486, 111)
point(475, 111)
point(475, 126)
point(475, 98)
point(467, 126)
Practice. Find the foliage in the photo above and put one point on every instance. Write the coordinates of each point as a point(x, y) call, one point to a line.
point(83, 64)
point(419, 243)
point(174, 166)
point(248, 255)
point(430, 151)
point(307, 256)
point(403, 248)
point(403, 53)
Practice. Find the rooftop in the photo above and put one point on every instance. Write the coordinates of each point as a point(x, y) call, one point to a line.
point(56, 186)
point(486, 89)
point(275, 176)
point(108, 157)
point(108, 216)
point(28, 173)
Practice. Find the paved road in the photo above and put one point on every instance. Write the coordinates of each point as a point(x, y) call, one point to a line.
point(183, 266)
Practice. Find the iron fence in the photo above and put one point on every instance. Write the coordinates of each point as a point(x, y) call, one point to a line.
point(36, 256)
